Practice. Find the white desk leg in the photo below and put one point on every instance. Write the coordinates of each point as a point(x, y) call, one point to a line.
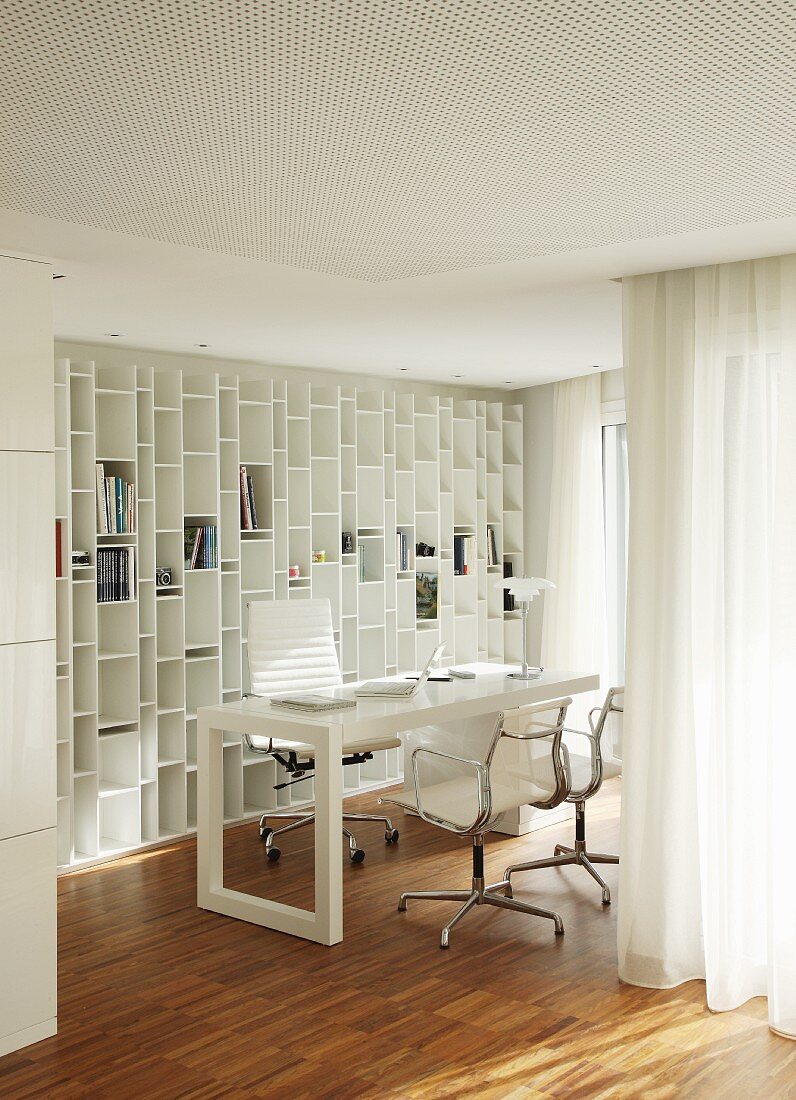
point(328, 832)
point(209, 812)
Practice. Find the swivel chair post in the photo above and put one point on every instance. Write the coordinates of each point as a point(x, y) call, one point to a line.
point(478, 894)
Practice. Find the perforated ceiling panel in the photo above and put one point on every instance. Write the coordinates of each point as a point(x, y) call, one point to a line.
point(383, 139)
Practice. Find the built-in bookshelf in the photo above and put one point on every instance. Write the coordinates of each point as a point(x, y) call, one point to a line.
point(400, 509)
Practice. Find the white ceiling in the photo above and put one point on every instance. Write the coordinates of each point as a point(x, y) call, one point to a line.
point(375, 184)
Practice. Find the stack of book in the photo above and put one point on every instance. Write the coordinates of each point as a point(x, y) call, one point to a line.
point(402, 551)
point(201, 547)
point(115, 504)
point(248, 507)
point(115, 574)
point(491, 547)
point(464, 555)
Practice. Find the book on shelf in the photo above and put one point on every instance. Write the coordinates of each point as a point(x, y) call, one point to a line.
point(508, 599)
point(115, 574)
point(311, 703)
point(426, 595)
point(491, 546)
point(59, 569)
point(402, 550)
point(115, 504)
point(361, 561)
point(201, 547)
point(248, 504)
point(464, 555)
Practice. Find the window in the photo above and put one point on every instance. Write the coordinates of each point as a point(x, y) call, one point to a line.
point(615, 502)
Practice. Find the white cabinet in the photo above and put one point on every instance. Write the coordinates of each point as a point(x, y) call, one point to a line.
point(26, 349)
point(27, 933)
point(27, 745)
point(27, 563)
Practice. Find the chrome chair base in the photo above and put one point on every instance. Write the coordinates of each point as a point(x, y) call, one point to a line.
point(479, 894)
point(564, 856)
point(299, 820)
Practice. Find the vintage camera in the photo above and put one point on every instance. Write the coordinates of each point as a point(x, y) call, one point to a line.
point(423, 550)
point(163, 577)
point(81, 557)
point(348, 542)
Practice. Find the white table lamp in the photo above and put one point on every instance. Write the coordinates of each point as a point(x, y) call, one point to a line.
point(523, 589)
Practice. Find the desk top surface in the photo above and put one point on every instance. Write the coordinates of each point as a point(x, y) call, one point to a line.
point(492, 689)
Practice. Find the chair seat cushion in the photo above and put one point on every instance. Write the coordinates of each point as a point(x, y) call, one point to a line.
point(580, 769)
point(456, 800)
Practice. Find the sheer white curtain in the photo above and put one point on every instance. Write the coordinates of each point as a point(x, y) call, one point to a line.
point(708, 877)
point(574, 630)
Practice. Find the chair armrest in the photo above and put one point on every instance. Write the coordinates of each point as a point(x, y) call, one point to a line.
point(484, 791)
point(543, 730)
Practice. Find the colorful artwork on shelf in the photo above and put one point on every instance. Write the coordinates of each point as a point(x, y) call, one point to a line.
point(426, 595)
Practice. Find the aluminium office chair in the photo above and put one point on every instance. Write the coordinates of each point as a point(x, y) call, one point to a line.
point(291, 647)
point(505, 768)
point(586, 777)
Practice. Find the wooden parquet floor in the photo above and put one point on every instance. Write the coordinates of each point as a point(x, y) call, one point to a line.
point(159, 999)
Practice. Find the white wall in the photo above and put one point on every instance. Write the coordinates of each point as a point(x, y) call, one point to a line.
point(27, 658)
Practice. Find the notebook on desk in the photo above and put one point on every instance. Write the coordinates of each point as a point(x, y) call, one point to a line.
point(399, 689)
point(311, 703)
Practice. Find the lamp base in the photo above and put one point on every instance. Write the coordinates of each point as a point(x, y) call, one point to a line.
point(531, 674)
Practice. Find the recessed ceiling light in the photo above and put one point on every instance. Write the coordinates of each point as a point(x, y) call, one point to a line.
point(596, 366)
point(508, 383)
point(403, 368)
point(59, 276)
point(457, 376)
point(115, 335)
point(201, 345)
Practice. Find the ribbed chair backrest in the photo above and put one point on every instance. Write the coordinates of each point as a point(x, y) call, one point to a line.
point(291, 646)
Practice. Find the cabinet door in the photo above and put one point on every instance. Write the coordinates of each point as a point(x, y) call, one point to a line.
point(27, 554)
point(27, 933)
point(27, 738)
point(26, 356)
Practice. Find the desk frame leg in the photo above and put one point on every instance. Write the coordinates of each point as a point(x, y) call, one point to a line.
point(325, 924)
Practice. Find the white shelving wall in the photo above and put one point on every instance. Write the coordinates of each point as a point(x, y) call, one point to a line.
point(323, 460)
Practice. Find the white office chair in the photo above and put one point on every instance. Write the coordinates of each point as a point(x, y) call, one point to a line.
point(466, 794)
point(586, 776)
point(291, 648)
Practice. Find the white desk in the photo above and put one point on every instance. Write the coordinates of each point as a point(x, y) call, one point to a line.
point(491, 691)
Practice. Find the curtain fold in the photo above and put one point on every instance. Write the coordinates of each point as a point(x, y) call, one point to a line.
point(574, 624)
point(707, 883)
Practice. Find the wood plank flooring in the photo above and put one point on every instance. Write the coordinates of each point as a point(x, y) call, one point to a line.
point(160, 999)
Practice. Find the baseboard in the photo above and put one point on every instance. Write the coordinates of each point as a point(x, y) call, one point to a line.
point(28, 1035)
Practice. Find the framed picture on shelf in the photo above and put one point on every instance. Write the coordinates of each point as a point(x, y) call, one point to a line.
point(426, 593)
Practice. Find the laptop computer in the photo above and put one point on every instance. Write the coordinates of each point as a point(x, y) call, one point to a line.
point(399, 689)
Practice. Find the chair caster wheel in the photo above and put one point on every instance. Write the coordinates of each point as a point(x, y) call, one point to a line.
point(606, 898)
point(444, 941)
point(274, 854)
point(265, 832)
point(391, 837)
point(357, 856)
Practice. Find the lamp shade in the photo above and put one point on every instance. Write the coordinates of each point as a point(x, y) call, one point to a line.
point(524, 588)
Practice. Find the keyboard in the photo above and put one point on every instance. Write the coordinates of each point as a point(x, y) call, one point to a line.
point(386, 687)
